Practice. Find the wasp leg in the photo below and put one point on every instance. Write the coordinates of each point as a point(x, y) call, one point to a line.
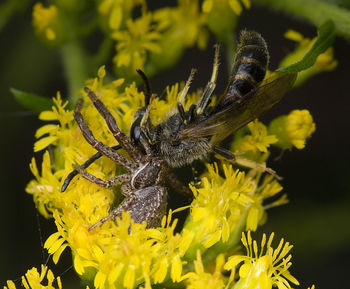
point(113, 127)
point(124, 206)
point(117, 180)
point(245, 162)
point(181, 111)
point(208, 90)
point(224, 153)
point(85, 165)
point(101, 147)
point(184, 91)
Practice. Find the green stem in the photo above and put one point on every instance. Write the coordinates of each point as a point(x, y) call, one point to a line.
point(75, 66)
point(315, 11)
point(104, 52)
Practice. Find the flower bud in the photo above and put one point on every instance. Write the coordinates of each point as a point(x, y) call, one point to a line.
point(292, 129)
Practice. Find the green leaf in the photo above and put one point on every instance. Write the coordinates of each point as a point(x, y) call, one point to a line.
point(326, 34)
point(315, 11)
point(31, 101)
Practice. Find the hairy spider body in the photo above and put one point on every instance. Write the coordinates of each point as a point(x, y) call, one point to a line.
point(145, 198)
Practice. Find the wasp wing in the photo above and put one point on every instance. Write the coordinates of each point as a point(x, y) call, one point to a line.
point(228, 120)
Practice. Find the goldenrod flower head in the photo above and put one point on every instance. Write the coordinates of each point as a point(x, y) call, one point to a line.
point(259, 140)
point(235, 5)
point(324, 62)
point(293, 129)
point(263, 270)
point(33, 280)
point(140, 38)
point(180, 26)
point(43, 19)
point(183, 23)
point(123, 254)
point(47, 24)
point(117, 11)
point(201, 279)
point(222, 16)
point(221, 201)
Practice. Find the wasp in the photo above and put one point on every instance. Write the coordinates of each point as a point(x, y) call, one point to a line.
point(185, 136)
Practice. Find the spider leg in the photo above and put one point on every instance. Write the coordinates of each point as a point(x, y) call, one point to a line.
point(85, 165)
point(101, 147)
point(124, 206)
point(117, 180)
point(113, 127)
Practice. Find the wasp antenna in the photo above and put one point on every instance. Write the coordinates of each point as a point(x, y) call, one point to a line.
point(187, 86)
point(148, 92)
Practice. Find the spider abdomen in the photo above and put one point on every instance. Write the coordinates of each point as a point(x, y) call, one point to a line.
point(149, 205)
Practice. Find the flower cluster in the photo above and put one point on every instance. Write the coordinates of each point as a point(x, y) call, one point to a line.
point(33, 279)
point(123, 254)
point(139, 41)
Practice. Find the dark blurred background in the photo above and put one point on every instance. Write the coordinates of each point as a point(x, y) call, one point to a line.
point(316, 179)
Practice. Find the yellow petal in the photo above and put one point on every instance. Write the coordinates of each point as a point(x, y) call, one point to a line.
point(213, 239)
point(44, 142)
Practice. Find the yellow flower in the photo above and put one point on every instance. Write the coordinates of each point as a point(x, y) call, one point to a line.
point(235, 5)
point(293, 129)
point(33, 280)
point(222, 15)
point(263, 270)
point(134, 43)
point(324, 62)
point(258, 140)
point(44, 20)
point(222, 201)
point(180, 27)
point(122, 254)
point(58, 113)
point(117, 11)
point(47, 24)
point(201, 279)
point(45, 189)
point(183, 23)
